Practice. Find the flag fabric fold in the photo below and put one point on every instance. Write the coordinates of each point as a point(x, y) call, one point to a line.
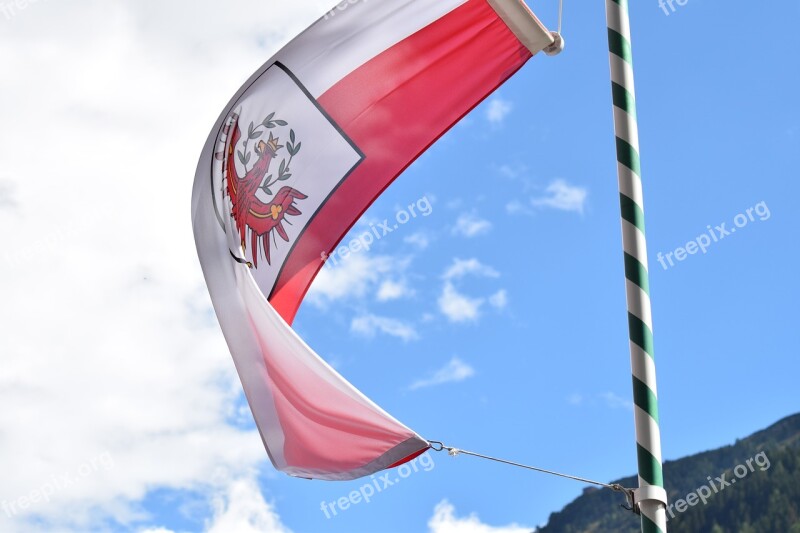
point(300, 152)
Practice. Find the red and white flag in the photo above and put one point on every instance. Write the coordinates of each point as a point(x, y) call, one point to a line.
point(301, 151)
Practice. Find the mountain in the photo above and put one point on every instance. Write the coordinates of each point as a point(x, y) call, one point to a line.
point(765, 498)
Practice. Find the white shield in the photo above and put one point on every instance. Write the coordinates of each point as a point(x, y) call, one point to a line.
point(278, 105)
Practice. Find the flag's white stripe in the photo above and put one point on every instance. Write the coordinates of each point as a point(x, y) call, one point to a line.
point(231, 311)
point(333, 47)
point(240, 304)
point(286, 343)
point(337, 45)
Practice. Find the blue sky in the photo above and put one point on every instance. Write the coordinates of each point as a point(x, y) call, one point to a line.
point(496, 323)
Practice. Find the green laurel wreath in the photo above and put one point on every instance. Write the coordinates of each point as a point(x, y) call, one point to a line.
point(255, 131)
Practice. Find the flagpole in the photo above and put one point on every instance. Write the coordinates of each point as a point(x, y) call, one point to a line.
point(650, 497)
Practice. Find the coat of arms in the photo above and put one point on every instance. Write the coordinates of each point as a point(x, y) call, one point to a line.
point(260, 199)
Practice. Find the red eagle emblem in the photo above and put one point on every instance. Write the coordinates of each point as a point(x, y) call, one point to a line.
point(252, 215)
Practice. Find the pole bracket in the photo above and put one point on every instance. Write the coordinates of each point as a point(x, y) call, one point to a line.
point(649, 493)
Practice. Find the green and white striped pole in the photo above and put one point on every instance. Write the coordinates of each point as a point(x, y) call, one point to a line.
point(650, 497)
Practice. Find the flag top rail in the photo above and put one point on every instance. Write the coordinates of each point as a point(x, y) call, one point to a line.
point(527, 27)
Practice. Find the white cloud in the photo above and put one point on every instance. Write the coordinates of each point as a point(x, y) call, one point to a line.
point(456, 306)
point(511, 172)
point(515, 207)
point(7, 194)
point(370, 325)
point(464, 267)
point(563, 196)
point(238, 506)
point(471, 225)
point(575, 399)
point(454, 371)
point(393, 290)
point(497, 110)
point(614, 401)
point(428, 317)
point(444, 520)
point(242, 508)
point(454, 203)
point(109, 343)
point(420, 240)
point(605, 399)
point(353, 278)
point(499, 300)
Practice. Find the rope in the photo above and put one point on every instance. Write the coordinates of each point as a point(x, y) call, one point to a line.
point(616, 487)
point(560, 14)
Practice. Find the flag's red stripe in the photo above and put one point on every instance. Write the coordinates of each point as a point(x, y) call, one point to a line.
point(409, 458)
point(394, 107)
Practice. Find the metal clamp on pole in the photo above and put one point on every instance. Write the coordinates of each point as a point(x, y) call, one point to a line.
point(649, 493)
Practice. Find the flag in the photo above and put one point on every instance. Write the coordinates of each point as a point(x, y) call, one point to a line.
point(300, 152)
